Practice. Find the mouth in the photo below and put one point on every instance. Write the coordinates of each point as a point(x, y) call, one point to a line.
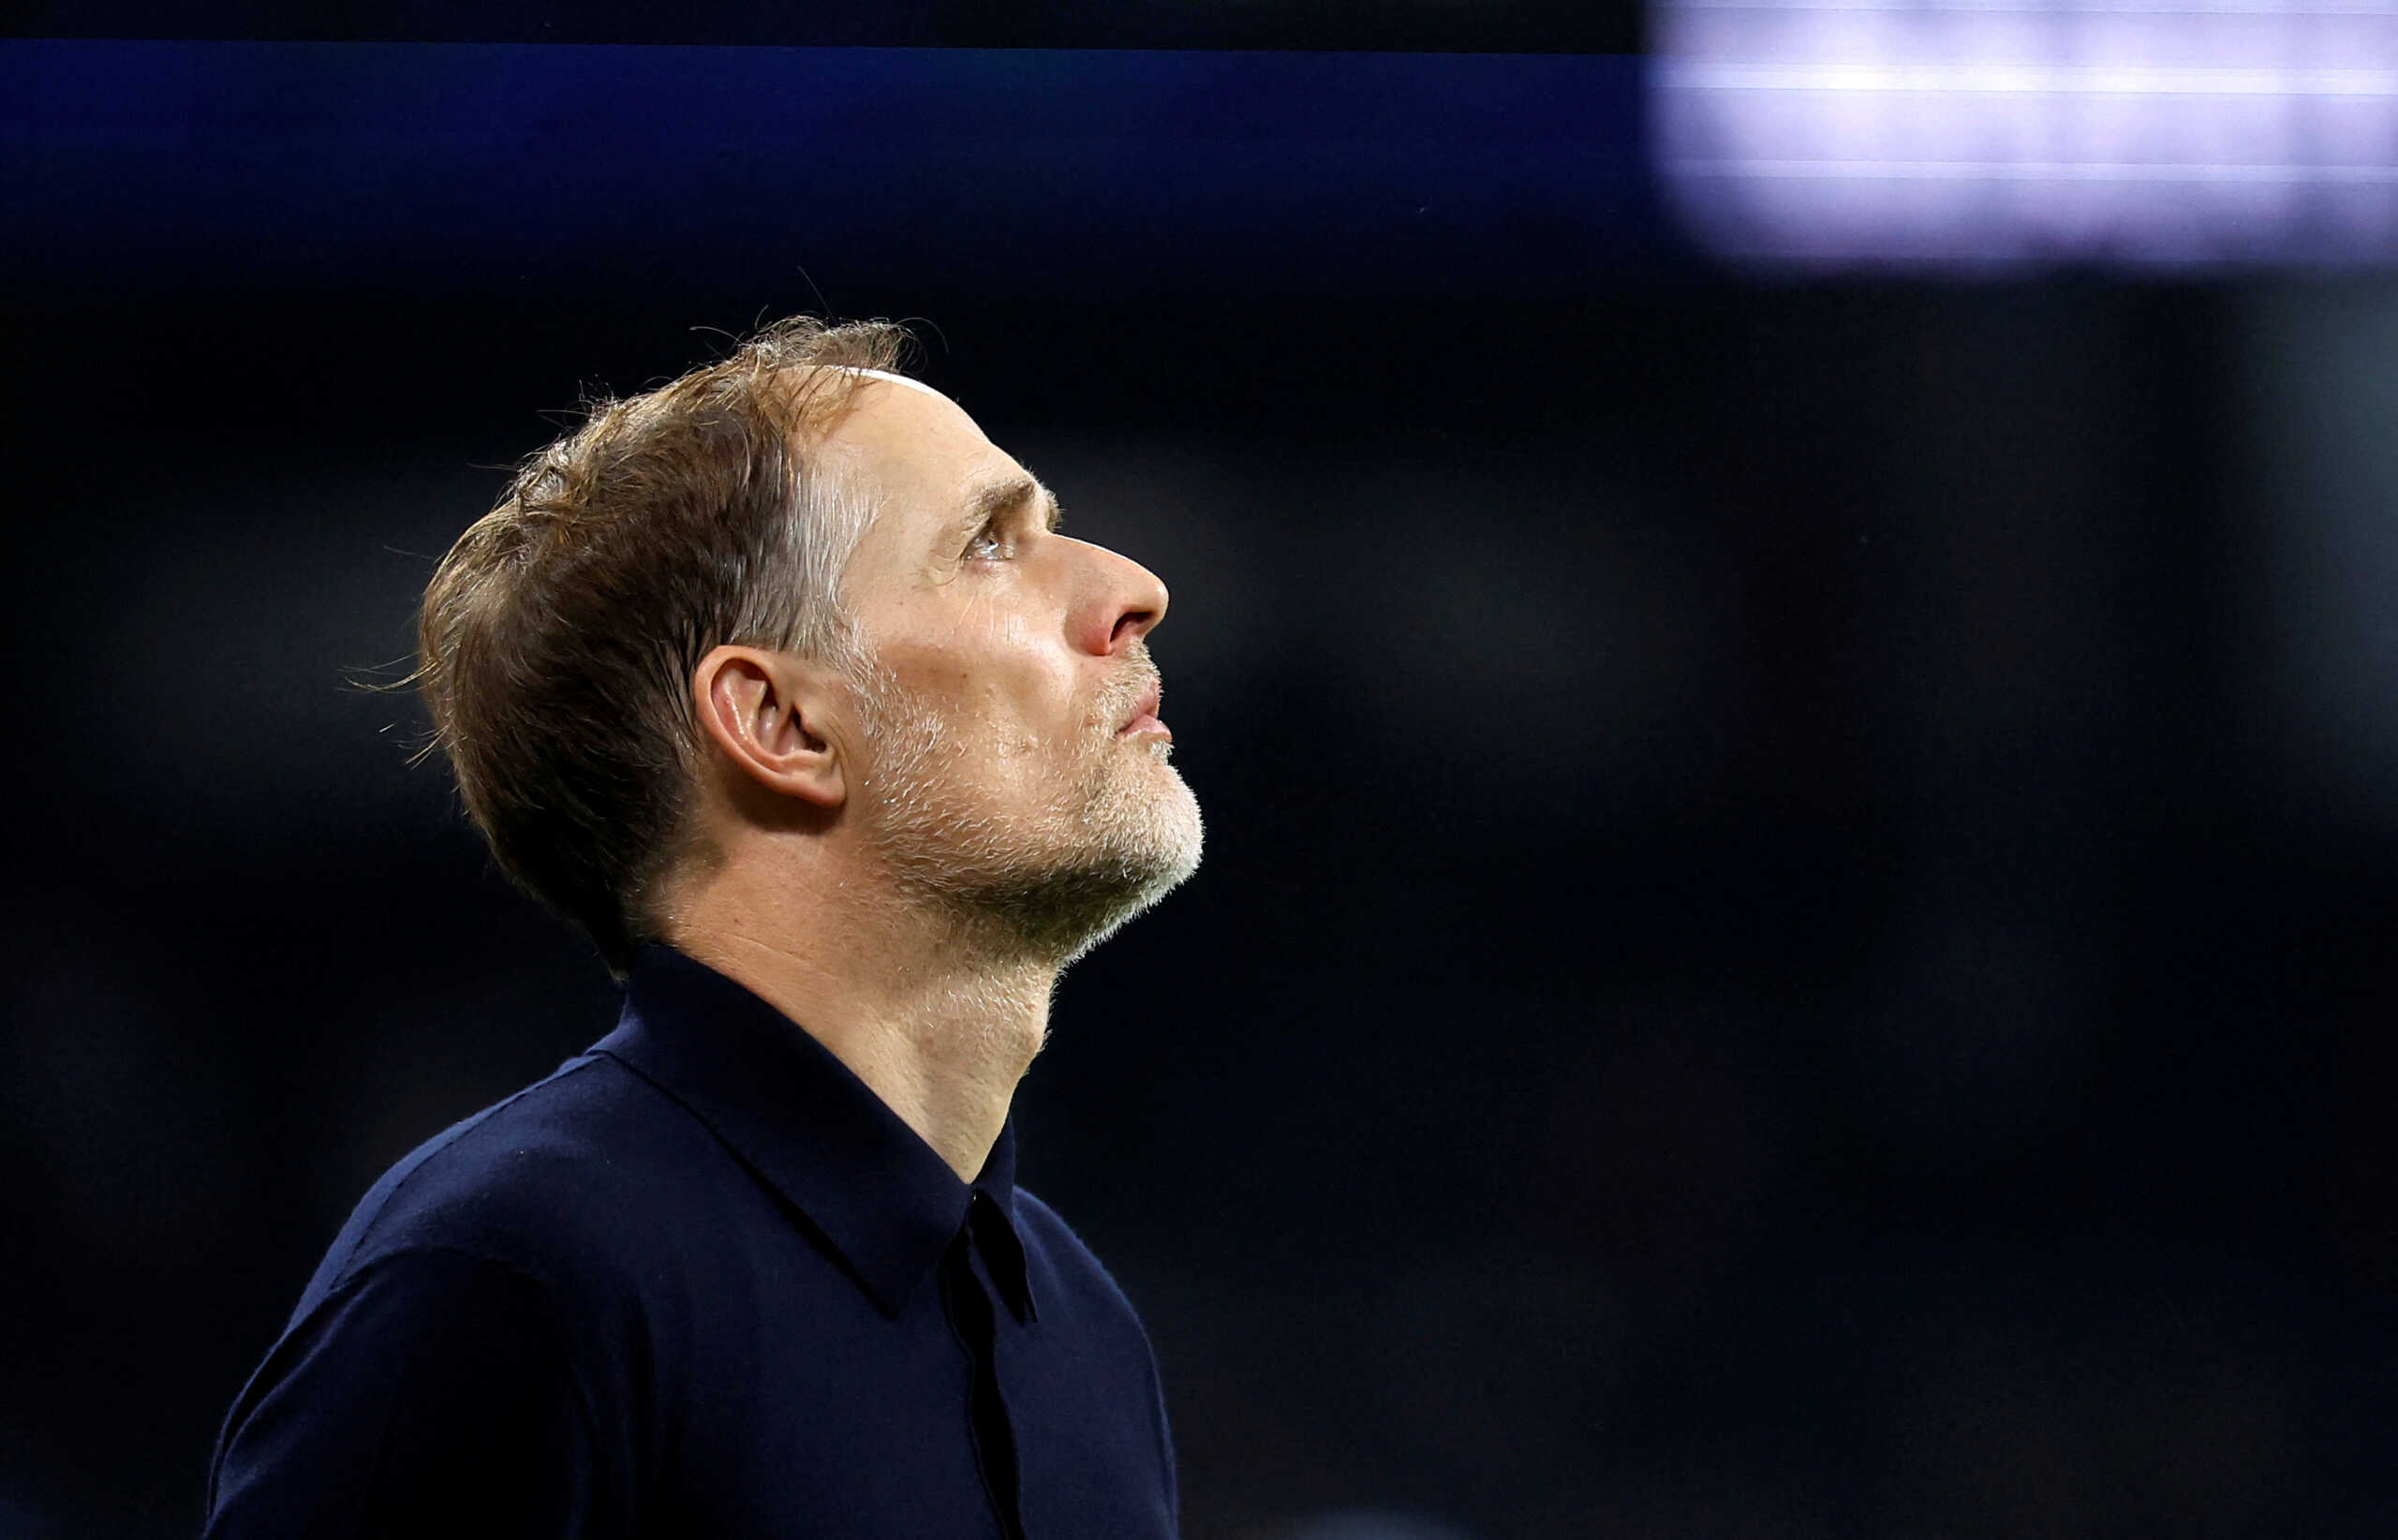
point(1145, 721)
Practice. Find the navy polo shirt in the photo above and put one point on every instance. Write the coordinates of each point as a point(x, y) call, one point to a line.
point(701, 1281)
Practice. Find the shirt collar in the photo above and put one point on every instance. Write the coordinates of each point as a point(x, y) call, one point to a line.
point(814, 1132)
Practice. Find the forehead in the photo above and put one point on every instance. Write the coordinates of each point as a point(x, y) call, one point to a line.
point(918, 451)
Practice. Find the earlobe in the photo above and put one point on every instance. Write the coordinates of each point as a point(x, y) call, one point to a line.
point(764, 714)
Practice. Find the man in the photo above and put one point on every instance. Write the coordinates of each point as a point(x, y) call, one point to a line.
point(781, 681)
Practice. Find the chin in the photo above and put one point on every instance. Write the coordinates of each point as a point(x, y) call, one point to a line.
point(1054, 884)
point(1170, 834)
point(1136, 851)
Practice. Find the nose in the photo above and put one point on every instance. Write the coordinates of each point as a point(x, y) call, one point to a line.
point(1123, 602)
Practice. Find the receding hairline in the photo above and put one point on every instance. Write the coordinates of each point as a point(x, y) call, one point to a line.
point(820, 394)
point(890, 379)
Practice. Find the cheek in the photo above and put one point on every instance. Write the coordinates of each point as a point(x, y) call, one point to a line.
point(1023, 677)
point(1000, 687)
point(989, 651)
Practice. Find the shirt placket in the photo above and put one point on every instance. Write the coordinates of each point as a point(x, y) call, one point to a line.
point(974, 1320)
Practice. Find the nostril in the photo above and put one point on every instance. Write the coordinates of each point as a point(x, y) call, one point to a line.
point(1132, 625)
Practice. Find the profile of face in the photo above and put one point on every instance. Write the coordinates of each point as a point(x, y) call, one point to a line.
point(1014, 770)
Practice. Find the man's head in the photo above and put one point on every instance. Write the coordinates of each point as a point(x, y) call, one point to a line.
point(793, 596)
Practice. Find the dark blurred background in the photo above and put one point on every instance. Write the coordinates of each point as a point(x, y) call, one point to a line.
point(1801, 907)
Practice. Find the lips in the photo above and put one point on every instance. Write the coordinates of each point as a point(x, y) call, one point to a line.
point(1145, 711)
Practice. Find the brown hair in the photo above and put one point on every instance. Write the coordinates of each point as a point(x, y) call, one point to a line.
point(558, 637)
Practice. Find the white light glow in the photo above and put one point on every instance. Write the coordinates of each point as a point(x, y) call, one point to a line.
point(1843, 133)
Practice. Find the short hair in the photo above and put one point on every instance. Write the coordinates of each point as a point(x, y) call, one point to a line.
point(558, 637)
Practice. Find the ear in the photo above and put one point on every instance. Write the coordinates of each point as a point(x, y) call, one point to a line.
point(767, 712)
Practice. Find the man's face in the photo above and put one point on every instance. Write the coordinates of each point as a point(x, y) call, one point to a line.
point(1014, 770)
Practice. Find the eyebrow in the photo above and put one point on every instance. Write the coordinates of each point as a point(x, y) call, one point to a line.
point(1003, 496)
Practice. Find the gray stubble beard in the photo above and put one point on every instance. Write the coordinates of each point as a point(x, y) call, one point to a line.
point(1015, 897)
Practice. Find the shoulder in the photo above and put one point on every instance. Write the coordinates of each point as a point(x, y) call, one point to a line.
point(1074, 1289)
point(1066, 1269)
point(1042, 1229)
point(553, 1182)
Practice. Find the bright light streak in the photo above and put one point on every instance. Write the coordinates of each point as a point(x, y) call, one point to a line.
point(1974, 133)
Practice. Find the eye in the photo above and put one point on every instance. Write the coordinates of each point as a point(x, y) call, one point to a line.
point(992, 544)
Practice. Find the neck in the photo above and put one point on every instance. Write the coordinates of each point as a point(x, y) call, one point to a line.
point(936, 1019)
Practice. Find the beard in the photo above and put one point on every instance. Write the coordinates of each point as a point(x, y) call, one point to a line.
point(1115, 830)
